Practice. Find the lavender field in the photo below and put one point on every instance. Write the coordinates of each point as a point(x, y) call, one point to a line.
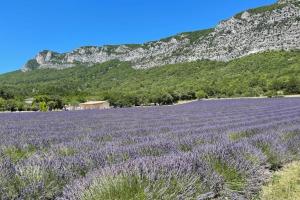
point(201, 150)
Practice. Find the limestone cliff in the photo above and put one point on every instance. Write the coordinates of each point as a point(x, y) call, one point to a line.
point(274, 27)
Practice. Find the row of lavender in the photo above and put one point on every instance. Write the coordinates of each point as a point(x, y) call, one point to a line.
point(206, 149)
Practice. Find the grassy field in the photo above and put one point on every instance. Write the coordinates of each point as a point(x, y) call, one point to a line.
point(285, 184)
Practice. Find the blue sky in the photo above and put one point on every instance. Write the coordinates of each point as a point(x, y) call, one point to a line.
point(29, 26)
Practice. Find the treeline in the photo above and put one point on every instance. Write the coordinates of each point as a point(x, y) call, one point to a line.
point(8, 102)
point(276, 88)
point(264, 74)
point(47, 103)
point(119, 99)
point(13, 105)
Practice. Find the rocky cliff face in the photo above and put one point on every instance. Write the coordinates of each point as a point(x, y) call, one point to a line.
point(275, 27)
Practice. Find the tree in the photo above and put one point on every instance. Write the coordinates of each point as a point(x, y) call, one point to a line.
point(41, 98)
point(201, 94)
point(20, 106)
point(188, 95)
point(43, 106)
point(6, 95)
point(293, 86)
point(165, 99)
point(11, 105)
point(271, 94)
point(34, 107)
point(51, 105)
point(52, 102)
point(278, 84)
point(176, 95)
point(56, 102)
point(2, 104)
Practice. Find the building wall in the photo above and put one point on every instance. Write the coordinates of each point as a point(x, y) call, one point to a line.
point(98, 106)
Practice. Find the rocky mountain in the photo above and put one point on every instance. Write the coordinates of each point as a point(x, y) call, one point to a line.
point(274, 27)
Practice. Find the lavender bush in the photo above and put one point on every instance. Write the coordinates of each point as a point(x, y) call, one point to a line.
point(201, 150)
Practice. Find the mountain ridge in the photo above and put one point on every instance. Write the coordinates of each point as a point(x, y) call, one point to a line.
point(274, 27)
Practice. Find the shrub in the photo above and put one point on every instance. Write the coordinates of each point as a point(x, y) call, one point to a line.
point(233, 179)
point(16, 154)
point(117, 188)
point(271, 94)
point(31, 182)
point(136, 186)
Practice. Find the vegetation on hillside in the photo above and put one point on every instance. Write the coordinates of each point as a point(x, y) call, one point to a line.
point(262, 9)
point(268, 73)
point(192, 36)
